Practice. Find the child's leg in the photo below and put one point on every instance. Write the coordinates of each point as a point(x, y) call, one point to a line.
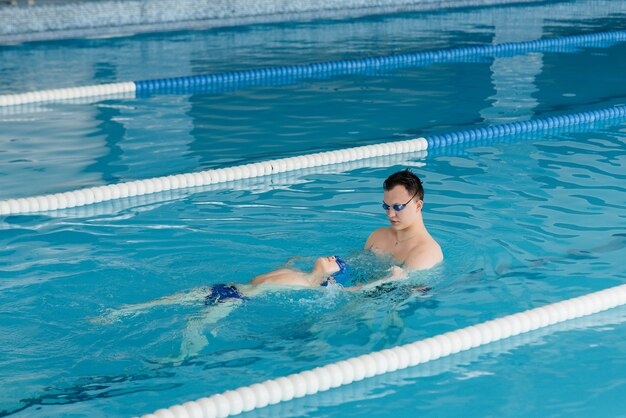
point(181, 298)
point(194, 338)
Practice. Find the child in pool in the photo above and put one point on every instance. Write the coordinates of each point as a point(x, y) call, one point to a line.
point(325, 270)
point(221, 299)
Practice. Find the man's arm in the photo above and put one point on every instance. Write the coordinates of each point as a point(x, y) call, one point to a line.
point(369, 242)
point(418, 260)
point(395, 273)
point(424, 259)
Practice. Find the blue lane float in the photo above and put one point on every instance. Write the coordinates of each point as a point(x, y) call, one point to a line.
point(515, 128)
point(233, 80)
point(286, 74)
point(82, 197)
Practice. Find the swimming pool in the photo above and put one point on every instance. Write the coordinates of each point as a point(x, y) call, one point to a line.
point(528, 220)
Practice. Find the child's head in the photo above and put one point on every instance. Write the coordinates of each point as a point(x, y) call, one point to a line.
point(335, 269)
point(326, 265)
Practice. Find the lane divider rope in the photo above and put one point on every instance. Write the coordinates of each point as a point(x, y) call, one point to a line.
point(104, 193)
point(260, 184)
point(91, 195)
point(345, 372)
point(294, 72)
point(112, 90)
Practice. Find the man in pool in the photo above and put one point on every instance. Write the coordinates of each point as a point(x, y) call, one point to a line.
point(407, 240)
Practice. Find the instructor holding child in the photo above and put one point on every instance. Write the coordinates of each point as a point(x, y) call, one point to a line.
point(407, 238)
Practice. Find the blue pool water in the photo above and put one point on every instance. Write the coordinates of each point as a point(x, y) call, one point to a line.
point(526, 221)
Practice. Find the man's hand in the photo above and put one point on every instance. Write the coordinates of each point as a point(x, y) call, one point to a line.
point(397, 272)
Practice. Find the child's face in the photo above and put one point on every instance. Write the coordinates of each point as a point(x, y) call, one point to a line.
point(327, 265)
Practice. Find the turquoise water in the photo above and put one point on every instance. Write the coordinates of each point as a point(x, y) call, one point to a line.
point(523, 222)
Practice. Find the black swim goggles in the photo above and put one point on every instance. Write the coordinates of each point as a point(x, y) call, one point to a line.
point(397, 207)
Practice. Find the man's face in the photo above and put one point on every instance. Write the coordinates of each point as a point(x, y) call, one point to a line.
point(398, 196)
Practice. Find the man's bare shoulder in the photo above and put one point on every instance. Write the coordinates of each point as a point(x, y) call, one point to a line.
point(378, 235)
point(424, 256)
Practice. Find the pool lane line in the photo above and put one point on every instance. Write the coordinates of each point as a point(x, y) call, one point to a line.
point(345, 372)
point(290, 73)
point(105, 91)
point(528, 126)
point(260, 184)
point(91, 195)
point(87, 196)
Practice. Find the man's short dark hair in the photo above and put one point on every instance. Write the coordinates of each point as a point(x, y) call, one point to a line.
point(405, 178)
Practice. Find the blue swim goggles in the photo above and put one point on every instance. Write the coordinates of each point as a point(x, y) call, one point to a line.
point(398, 206)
